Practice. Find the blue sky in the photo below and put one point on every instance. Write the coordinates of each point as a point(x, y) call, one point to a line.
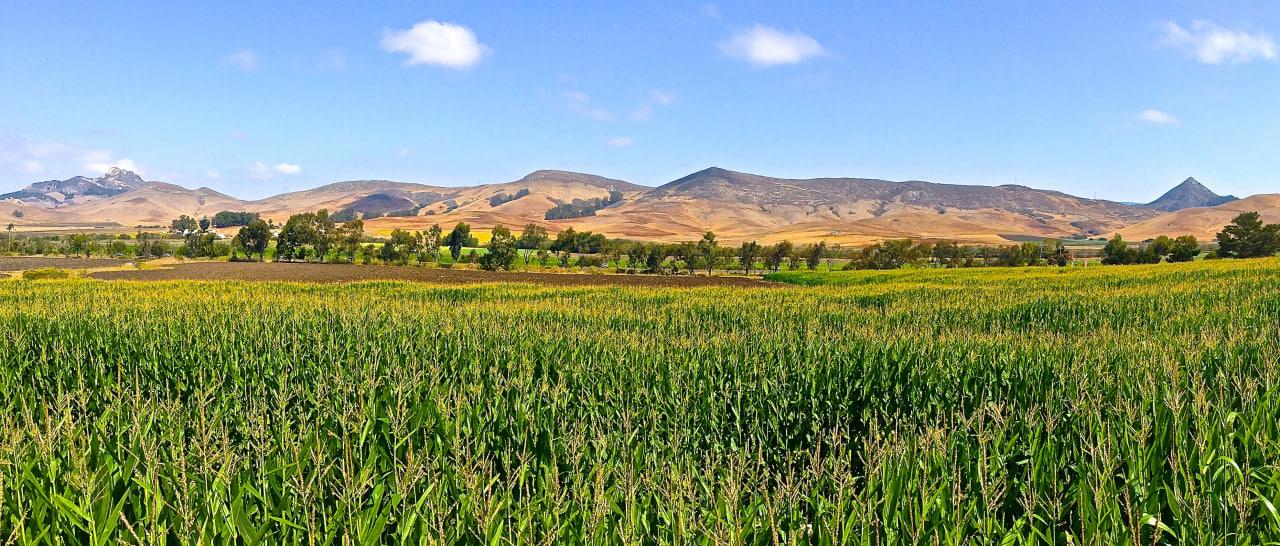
point(1116, 100)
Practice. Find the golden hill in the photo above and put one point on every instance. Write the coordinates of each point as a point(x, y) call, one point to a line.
point(737, 206)
point(1204, 223)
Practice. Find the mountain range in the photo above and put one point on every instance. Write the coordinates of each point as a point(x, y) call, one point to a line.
point(737, 206)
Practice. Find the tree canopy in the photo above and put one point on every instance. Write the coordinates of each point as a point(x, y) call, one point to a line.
point(1247, 237)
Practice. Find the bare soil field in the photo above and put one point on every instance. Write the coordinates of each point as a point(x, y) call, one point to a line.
point(338, 273)
point(23, 263)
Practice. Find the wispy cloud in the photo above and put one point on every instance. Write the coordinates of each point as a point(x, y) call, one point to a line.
point(244, 60)
point(579, 103)
point(577, 97)
point(262, 171)
point(23, 155)
point(620, 142)
point(766, 46)
point(662, 97)
point(435, 43)
point(657, 97)
point(1213, 44)
point(644, 113)
point(1157, 117)
point(104, 166)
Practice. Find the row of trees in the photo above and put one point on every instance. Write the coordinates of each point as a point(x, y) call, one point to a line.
point(898, 253)
point(227, 218)
point(1182, 249)
point(317, 236)
point(425, 245)
point(124, 245)
point(314, 234)
point(1245, 237)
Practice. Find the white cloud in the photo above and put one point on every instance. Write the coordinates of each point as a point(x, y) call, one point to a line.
point(579, 102)
point(1212, 44)
point(245, 60)
point(103, 167)
point(404, 152)
point(212, 175)
point(1157, 117)
point(46, 150)
point(657, 97)
point(435, 43)
point(644, 113)
point(621, 142)
point(767, 46)
point(261, 171)
point(710, 11)
point(662, 97)
point(577, 96)
point(20, 154)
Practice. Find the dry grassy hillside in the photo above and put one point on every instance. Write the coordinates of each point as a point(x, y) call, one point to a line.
point(737, 206)
point(741, 206)
point(155, 203)
point(1204, 223)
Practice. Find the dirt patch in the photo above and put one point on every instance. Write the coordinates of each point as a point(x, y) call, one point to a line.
point(23, 263)
point(336, 273)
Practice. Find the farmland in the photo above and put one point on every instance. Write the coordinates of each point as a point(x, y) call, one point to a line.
point(342, 273)
point(1135, 405)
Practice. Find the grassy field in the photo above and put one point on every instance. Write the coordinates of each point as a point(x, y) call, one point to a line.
point(1120, 405)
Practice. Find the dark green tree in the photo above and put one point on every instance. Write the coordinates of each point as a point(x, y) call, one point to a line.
point(298, 233)
point(1059, 256)
point(502, 250)
point(707, 249)
point(254, 238)
point(815, 254)
point(687, 253)
point(350, 234)
point(1184, 249)
point(387, 252)
point(1247, 237)
point(747, 255)
point(431, 242)
point(403, 244)
point(1161, 246)
point(533, 238)
point(1117, 252)
point(653, 260)
point(778, 254)
point(184, 224)
point(458, 238)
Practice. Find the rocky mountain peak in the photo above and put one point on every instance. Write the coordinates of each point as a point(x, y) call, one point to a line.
point(1189, 194)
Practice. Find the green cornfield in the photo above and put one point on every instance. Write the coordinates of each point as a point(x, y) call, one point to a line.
point(1134, 405)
